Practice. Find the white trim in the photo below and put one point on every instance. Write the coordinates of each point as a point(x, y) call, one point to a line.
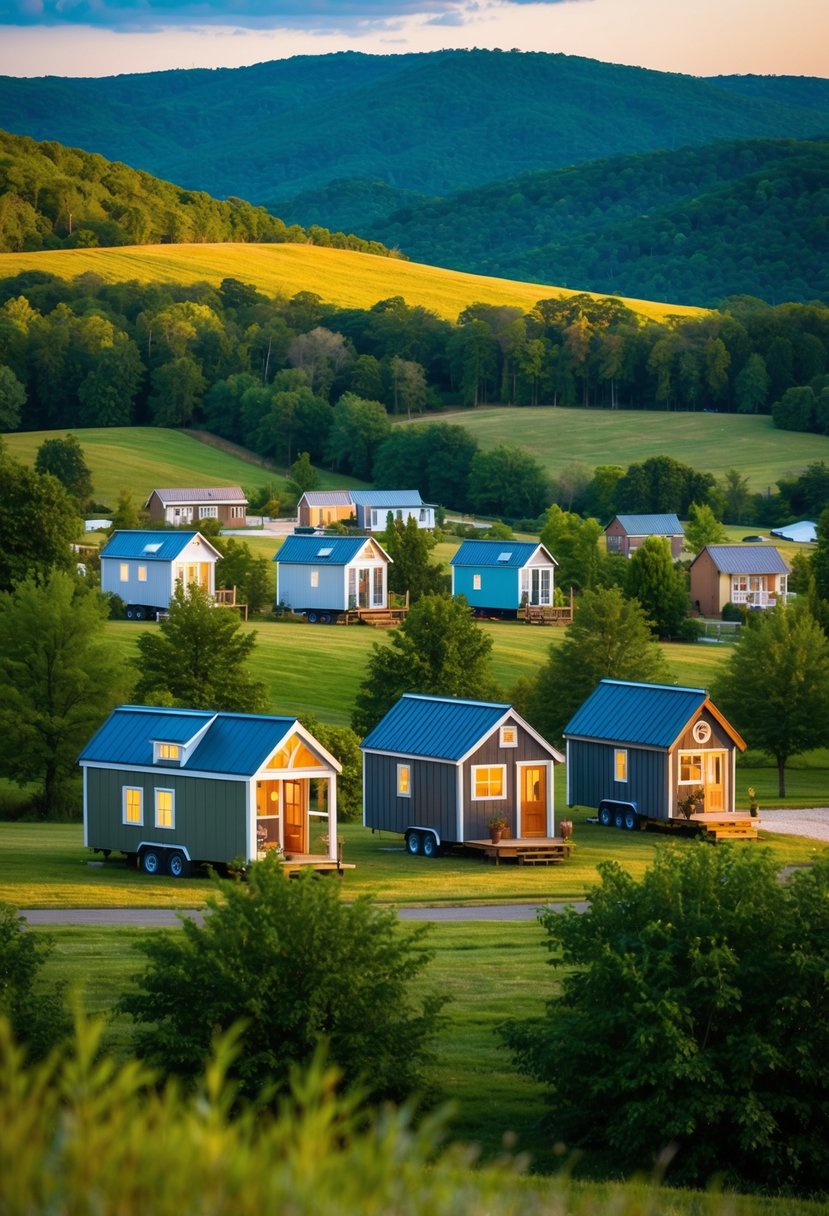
point(332, 817)
point(617, 752)
point(502, 742)
point(373, 751)
point(567, 773)
point(85, 811)
point(163, 789)
point(473, 768)
point(250, 821)
point(548, 748)
point(549, 817)
point(363, 790)
point(132, 823)
point(460, 808)
point(116, 766)
point(407, 793)
point(167, 844)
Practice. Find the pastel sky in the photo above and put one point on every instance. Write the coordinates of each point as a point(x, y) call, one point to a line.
point(701, 37)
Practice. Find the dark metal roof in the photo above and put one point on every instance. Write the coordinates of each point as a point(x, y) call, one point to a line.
point(651, 525)
point(746, 559)
point(387, 498)
point(651, 715)
point(512, 554)
point(442, 728)
point(150, 546)
point(322, 550)
point(207, 494)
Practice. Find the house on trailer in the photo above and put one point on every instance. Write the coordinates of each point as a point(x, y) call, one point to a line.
point(755, 577)
point(182, 508)
point(502, 576)
point(437, 769)
point(626, 533)
point(322, 576)
point(170, 787)
point(372, 508)
point(320, 508)
point(144, 568)
point(636, 751)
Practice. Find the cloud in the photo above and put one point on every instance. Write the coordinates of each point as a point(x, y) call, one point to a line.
point(311, 15)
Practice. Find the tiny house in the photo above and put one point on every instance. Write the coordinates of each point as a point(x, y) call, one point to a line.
point(502, 576)
point(373, 507)
point(753, 576)
point(183, 508)
point(172, 787)
point(319, 508)
point(320, 577)
point(144, 568)
point(626, 533)
point(437, 769)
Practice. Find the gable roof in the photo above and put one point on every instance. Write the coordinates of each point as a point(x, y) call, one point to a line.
point(140, 545)
point(648, 715)
point(441, 728)
point(324, 550)
point(327, 498)
point(206, 494)
point(512, 554)
point(386, 498)
point(650, 525)
point(236, 744)
point(746, 559)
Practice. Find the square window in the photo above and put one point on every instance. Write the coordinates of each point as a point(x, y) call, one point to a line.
point(488, 781)
point(509, 736)
point(620, 764)
point(690, 768)
point(165, 809)
point(133, 805)
point(404, 781)
point(169, 751)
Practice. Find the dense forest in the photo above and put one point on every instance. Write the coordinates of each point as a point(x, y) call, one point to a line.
point(429, 123)
point(691, 226)
point(52, 197)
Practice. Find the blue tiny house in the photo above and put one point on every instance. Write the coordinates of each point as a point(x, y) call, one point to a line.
point(171, 787)
point(503, 576)
point(372, 508)
point(654, 753)
point(144, 568)
point(323, 576)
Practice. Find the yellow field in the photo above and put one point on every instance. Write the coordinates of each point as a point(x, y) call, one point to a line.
point(338, 276)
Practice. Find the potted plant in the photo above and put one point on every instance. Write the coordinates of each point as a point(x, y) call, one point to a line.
point(497, 826)
point(753, 804)
point(692, 803)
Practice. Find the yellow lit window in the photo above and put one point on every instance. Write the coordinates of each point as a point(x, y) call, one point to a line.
point(315, 578)
point(476, 582)
point(164, 809)
point(169, 751)
point(142, 574)
point(620, 764)
point(125, 572)
point(509, 736)
point(404, 781)
point(488, 781)
point(133, 805)
point(690, 768)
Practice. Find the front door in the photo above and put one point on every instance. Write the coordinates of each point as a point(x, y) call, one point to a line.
point(714, 782)
point(533, 800)
point(293, 803)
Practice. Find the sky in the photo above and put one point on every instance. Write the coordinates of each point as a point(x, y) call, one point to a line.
point(700, 37)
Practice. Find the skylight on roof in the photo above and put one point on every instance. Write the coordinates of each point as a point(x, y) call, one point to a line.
point(153, 548)
point(504, 557)
point(325, 552)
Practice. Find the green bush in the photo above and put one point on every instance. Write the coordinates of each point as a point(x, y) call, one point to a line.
point(36, 1015)
point(734, 612)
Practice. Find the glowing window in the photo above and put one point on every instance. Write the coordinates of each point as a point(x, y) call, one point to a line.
point(476, 582)
point(165, 809)
point(125, 572)
point(315, 578)
point(142, 574)
point(690, 768)
point(620, 764)
point(133, 811)
point(169, 751)
point(404, 781)
point(509, 736)
point(488, 781)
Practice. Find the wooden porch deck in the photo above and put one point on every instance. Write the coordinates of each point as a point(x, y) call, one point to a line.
point(294, 863)
point(538, 851)
point(737, 825)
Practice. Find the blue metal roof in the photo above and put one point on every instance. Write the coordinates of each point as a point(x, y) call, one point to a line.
point(651, 525)
point(651, 715)
point(236, 744)
point(746, 559)
point(148, 546)
point(442, 728)
point(509, 554)
point(321, 550)
point(386, 498)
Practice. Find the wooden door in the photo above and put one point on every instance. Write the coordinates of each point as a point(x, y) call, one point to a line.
point(295, 818)
point(715, 782)
point(533, 800)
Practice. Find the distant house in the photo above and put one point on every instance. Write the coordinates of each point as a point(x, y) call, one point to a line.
point(626, 533)
point(321, 576)
point(372, 508)
point(803, 533)
point(318, 508)
point(502, 575)
point(169, 787)
point(753, 576)
point(183, 508)
point(144, 567)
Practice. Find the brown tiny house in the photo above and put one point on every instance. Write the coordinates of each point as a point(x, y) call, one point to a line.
point(626, 533)
point(185, 507)
point(751, 577)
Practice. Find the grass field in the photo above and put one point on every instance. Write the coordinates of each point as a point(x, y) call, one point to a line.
point(713, 442)
point(338, 276)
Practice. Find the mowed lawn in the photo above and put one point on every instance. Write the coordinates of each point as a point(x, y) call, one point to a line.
point(709, 442)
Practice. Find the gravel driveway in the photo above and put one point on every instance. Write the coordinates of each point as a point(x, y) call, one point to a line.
point(813, 823)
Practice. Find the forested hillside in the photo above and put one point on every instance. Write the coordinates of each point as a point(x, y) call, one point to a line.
point(53, 197)
point(695, 225)
point(430, 123)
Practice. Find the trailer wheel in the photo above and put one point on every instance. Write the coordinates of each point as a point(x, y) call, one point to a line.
point(605, 816)
point(151, 861)
point(130, 614)
point(177, 865)
point(631, 820)
point(414, 843)
point(618, 818)
point(431, 848)
point(311, 618)
point(325, 618)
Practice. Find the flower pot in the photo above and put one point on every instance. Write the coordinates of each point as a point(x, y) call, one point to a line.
point(565, 829)
point(495, 834)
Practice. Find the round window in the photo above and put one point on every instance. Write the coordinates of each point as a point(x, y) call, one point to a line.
point(702, 732)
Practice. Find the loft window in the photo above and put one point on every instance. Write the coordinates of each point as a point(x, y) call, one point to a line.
point(488, 781)
point(170, 752)
point(509, 736)
point(165, 809)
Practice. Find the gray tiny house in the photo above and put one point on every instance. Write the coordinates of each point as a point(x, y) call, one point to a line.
point(144, 568)
point(437, 769)
point(172, 787)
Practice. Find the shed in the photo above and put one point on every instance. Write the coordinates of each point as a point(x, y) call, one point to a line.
point(183, 507)
point(754, 576)
point(325, 574)
point(318, 508)
point(500, 576)
point(204, 786)
point(144, 567)
point(626, 533)
point(372, 508)
point(448, 765)
point(649, 746)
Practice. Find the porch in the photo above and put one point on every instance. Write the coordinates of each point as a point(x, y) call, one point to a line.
point(532, 851)
point(733, 825)
point(547, 614)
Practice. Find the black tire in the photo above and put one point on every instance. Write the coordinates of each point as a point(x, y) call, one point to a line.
point(138, 614)
point(619, 818)
point(311, 618)
point(325, 618)
point(631, 820)
point(430, 848)
point(151, 861)
point(414, 843)
point(605, 816)
point(130, 614)
point(177, 864)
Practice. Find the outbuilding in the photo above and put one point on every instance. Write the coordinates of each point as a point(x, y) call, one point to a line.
point(753, 576)
point(184, 507)
point(627, 533)
point(144, 568)
point(323, 576)
point(373, 507)
point(503, 576)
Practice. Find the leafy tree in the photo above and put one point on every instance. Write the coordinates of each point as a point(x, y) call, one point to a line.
point(344, 745)
point(178, 387)
point(12, 399)
point(239, 567)
point(411, 570)
point(357, 429)
point(37, 1015)
point(196, 658)
point(689, 1024)
point(60, 680)
point(507, 481)
point(751, 385)
point(303, 474)
point(775, 686)
point(663, 485)
point(703, 528)
point(126, 515)
point(319, 355)
point(736, 496)
point(660, 586)
point(610, 638)
point(820, 557)
point(574, 543)
point(438, 650)
point(408, 382)
point(64, 459)
point(295, 966)
point(38, 523)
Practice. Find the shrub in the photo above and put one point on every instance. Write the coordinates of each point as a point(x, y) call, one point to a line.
point(36, 1014)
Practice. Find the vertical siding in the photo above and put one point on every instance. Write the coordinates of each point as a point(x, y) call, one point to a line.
point(478, 813)
point(294, 586)
point(591, 777)
point(155, 592)
point(499, 588)
point(432, 802)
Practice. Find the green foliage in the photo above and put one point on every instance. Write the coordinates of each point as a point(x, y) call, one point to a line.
point(358, 428)
point(574, 543)
point(38, 522)
point(299, 968)
point(775, 686)
point(437, 650)
point(662, 485)
point(12, 399)
point(35, 1014)
point(690, 1026)
point(703, 528)
point(60, 680)
point(409, 547)
point(660, 586)
point(610, 638)
point(64, 459)
point(344, 745)
point(238, 567)
point(507, 481)
point(303, 474)
point(197, 659)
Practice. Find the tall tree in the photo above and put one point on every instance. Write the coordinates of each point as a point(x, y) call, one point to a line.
point(64, 459)
point(660, 586)
point(574, 543)
point(411, 570)
point(703, 528)
point(12, 399)
point(357, 429)
point(507, 481)
point(38, 522)
point(775, 686)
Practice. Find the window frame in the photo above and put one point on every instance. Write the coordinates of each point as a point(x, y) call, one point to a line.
point(620, 763)
point(124, 572)
point(693, 755)
point(164, 827)
point(476, 582)
point(509, 729)
point(475, 781)
point(125, 791)
point(404, 781)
